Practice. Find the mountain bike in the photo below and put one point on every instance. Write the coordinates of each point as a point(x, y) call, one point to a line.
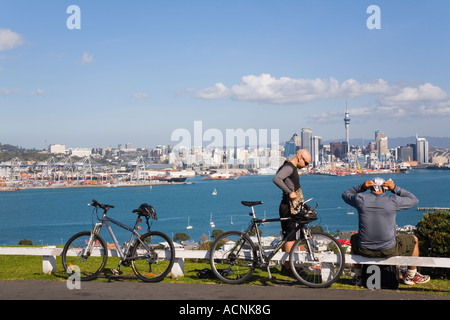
point(316, 258)
point(150, 255)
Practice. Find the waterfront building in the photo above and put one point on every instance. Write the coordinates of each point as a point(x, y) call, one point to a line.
point(316, 150)
point(405, 153)
point(421, 150)
point(291, 146)
point(306, 139)
point(57, 148)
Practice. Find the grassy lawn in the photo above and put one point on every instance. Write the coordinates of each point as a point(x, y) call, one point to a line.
point(30, 267)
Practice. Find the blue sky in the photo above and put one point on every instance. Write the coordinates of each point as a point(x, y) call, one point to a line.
point(138, 70)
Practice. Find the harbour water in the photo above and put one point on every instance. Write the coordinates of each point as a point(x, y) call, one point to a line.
point(52, 216)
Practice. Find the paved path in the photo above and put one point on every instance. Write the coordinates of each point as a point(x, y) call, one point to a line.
point(134, 290)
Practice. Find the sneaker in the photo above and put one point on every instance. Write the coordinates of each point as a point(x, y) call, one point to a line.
point(417, 278)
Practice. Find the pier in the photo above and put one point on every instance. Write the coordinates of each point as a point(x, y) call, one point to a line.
point(432, 209)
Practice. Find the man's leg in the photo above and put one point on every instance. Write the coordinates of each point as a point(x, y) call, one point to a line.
point(412, 276)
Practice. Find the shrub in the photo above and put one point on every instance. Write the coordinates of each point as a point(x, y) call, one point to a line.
point(25, 242)
point(433, 231)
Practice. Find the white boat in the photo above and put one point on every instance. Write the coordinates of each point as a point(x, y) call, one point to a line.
point(267, 171)
point(189, 227)
point(211, 223)
point(214, 193)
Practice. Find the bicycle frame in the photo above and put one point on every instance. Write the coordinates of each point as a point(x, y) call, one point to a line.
point(254, 224)
point(105, 220)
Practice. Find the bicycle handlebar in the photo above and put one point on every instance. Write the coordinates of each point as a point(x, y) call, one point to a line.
point(96, 204)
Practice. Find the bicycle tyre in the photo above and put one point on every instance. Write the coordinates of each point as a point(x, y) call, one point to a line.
point(325, 269)
point(90, 266)
point(225, 262)
point(153, 265)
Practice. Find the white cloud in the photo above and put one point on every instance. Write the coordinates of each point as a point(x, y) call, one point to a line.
point(389, 100)
point(38, 92)
point(425, 92)
point(9, 39)
point(286, 90)
point(140, 95)
point(87, 58)
point(6, 92)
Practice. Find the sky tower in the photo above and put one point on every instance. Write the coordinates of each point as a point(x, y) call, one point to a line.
point(347, 125)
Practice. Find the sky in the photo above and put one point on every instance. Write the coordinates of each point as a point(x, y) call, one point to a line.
point(117, 72)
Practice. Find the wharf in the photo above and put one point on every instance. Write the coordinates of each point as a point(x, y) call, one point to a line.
point(432, 209)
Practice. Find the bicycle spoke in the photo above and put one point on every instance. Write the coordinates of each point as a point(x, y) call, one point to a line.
point(77, 256)
point(321, 266)
point(154, 258)
point(232, 257)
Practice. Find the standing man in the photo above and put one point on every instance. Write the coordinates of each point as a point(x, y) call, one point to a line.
point(288, 180)
point(377, 235)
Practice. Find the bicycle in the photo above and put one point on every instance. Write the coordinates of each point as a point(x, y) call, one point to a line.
point(151, 255)
point(316, 258)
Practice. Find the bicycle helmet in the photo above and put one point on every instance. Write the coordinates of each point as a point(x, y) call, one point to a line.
point(146, 210)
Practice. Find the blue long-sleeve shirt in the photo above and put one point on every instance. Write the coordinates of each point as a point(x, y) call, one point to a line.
point(377, 226)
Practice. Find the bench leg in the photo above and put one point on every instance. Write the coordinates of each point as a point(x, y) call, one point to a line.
point(48, 264)
point(178, 267)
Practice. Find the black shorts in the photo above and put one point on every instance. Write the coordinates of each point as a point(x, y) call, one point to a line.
point(287, 225)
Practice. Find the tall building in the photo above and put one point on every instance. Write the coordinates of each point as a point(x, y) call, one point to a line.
point(316, 148)
point(291, 146)
point(347, 125)
point(306, 139)
point(382, 145)
point(421, 150)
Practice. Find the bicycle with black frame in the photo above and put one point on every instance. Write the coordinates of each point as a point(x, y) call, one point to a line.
point(316, 259)
point(150, 255)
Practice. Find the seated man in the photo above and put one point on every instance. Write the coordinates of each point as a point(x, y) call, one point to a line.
point(377, 235)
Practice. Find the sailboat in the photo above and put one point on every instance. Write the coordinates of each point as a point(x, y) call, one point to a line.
point(189, 227)
point(211, 223)
point(231, 220)
point(214, 193)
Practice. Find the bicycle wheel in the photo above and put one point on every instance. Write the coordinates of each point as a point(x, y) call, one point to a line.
point(318, 264)
point(153, 261)
point(89, 259)
point(233, 257)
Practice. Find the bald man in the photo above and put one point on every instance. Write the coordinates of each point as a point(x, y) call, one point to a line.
point(288, 180)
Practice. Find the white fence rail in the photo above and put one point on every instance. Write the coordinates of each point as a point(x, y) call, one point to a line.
point(50, 253)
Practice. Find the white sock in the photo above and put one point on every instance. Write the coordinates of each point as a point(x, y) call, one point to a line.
point(412, 272)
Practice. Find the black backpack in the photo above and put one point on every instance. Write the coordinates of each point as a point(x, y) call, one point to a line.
point(389, 276)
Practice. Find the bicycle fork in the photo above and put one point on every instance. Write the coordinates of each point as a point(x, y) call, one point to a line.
point(88, 249)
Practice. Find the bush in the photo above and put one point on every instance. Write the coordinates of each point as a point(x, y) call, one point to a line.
point(433, 232)
point(25, 242)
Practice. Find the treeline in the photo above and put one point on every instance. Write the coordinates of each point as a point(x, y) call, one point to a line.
point(9, 152)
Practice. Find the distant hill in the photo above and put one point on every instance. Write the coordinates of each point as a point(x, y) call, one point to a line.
point(433, 142)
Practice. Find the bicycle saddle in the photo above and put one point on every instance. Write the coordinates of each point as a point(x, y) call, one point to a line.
point(251, 203)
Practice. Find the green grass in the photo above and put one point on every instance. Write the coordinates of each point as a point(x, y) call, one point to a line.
point(30, 267)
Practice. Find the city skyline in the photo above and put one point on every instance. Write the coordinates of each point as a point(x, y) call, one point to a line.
point(114, 73)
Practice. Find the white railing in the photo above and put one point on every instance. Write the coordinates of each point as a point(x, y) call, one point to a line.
point(49, 254)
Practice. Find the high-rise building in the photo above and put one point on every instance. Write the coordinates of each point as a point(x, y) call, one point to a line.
point(306, 139)
point(291, 146)
point(316, 147)
point(405, 153)
point(421, 150)
point(382, 145)
point(347, 125)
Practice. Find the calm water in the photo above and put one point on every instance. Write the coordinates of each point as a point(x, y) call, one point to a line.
point(51, 216)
